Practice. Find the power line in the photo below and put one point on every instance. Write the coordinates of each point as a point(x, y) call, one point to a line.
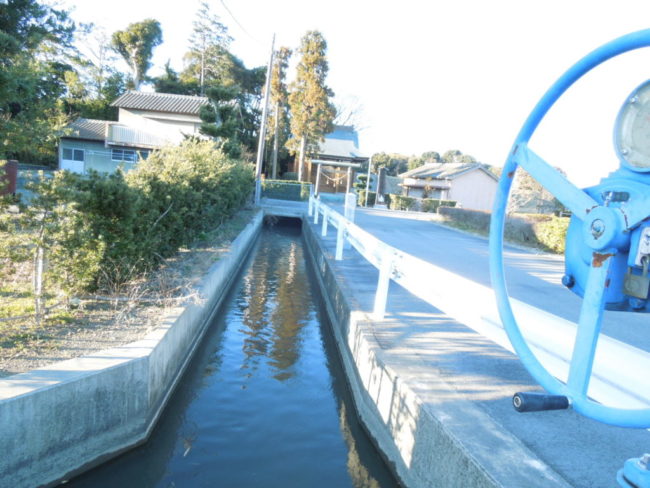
point(238, 23)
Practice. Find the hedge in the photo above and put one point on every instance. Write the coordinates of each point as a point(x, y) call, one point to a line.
point(285, 190)
point(372, 197)
point(431, 204)
point(97, 230)
point(552, 233)
point(399, 202)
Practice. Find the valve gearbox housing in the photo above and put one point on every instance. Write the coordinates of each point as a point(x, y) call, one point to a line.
point(619, 190)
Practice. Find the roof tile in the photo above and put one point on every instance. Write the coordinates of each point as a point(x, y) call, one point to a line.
point(90, 129)
point(441, 171)
point(160, 102)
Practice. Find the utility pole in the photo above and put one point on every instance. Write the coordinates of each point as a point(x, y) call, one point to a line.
point(260, 145)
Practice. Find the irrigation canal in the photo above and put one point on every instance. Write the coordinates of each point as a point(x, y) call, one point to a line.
point(265, 401)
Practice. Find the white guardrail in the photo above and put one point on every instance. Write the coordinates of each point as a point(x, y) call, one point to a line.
point(615, 382)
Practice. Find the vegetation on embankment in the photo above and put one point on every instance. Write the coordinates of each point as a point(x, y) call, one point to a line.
point(95, 233)
point(540, 231)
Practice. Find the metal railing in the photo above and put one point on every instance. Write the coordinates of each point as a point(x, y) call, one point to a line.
point(619, 383)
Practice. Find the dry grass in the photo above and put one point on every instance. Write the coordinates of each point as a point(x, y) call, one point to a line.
point(116, 315)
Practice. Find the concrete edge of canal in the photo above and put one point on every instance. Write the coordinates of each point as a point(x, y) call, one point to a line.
point(427, 443)
point(65, 418)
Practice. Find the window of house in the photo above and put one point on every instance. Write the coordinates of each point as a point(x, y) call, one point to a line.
point(127, 155)
point(72, 154)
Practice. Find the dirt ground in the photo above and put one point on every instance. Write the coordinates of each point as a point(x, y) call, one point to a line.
point(97, 322)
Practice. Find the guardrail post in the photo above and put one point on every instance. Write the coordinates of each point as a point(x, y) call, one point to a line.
point(381, 295)
point(323, 230)
point(310, 206)
point(350, 206)
point(316, 210)
point(258, 191)
point(340, 240)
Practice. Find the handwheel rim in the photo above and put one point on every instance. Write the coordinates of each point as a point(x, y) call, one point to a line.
point(637, 418)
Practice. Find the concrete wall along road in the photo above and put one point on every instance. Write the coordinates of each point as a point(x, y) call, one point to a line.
point(67, 417)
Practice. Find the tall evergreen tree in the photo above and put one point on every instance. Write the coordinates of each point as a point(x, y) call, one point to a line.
point(312, 112)
point(208, 57)
point(136, 44)
point(279, 119)
point(220, 119)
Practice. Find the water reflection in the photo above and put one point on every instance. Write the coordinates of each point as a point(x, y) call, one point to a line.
point(274, 310)
point(262, 404)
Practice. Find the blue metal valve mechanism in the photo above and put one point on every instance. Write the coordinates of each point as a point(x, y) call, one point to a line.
point(608, 242)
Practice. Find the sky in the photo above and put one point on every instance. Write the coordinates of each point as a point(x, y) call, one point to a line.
point(429, 75)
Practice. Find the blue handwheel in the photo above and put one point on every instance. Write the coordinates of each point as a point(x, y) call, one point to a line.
point(604, 230)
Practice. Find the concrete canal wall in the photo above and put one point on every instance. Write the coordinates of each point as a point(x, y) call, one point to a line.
point(62, 419)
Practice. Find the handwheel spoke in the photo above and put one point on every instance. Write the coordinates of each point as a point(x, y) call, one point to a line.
point(566, 192)
point(591, 316)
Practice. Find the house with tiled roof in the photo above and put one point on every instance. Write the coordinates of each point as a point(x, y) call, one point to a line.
point(146, 121)
point(472, 185)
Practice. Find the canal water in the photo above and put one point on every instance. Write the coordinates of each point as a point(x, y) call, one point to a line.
point(265, 401)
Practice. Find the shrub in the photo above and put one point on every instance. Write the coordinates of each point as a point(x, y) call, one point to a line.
point(54, 229)
point(539, 230)
point(399, 202)
point(432, 204)
point(188, 189)
point(101, 228)
point(372, 197)
point(285, 190)
point(552, 233)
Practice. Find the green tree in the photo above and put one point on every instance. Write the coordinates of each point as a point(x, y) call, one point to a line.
point(233, 115)
point(452, 156)
point(312, 113)
point(220, 119)
point(279, 129)
point(136, 44)
point(456, 156)
point(96, 82)
point(415, 162)
point(208, 57)
point(170, 82)
point(394, 163)
point(35, 42)
point(53, 229)
point(431, 157)
point(28, 26)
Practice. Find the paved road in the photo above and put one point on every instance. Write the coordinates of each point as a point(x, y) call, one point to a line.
point(532, 277)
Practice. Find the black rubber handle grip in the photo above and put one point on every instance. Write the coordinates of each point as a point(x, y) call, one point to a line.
point(537, 402)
